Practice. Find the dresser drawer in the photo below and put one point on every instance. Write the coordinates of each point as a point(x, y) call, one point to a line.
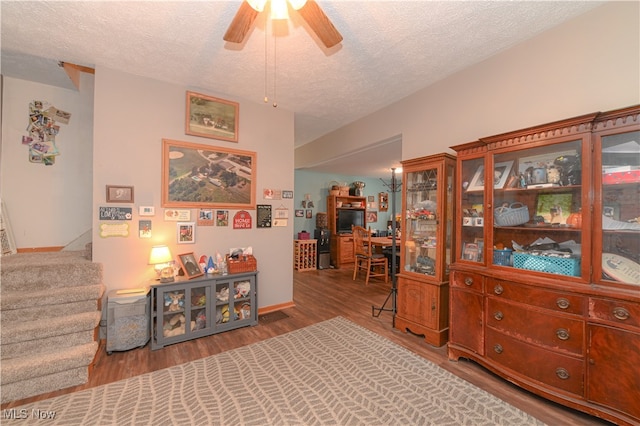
point(547, 299)
point(535, 363)
point(615, 311)
point(468, 280)
point(555, 331)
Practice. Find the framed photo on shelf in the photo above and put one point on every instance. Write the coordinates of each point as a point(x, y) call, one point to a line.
point(477, 182)
point(554, 208)
point(190, 266)
point(471, 252)
point(205, 176)
point(211, 117)
point(501, 172)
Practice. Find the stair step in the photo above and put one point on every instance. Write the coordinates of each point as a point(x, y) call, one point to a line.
point(40, 329)
point(43, 298)
point(46, 345)
point(38, 271)
point(35, 312)
point(36, 366)
point(41, 385)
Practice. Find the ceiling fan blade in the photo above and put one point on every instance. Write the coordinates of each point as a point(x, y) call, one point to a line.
point(241, 23)
point(320, 24)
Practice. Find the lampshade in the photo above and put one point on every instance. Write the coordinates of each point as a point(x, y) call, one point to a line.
point(160, 254)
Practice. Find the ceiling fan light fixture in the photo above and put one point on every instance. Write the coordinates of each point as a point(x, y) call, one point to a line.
point(257, 5)
point(279, 9)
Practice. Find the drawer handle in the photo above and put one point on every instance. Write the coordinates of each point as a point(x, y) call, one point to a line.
point(562, 373)
point(621, 313)
point(498, 289)
point(562, 333)
point(498, 315)
point(563, 303)
point(468, 281)
point(498, 348)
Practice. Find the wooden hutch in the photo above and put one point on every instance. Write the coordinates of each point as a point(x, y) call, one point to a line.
point(426, 247)
point(342, 242)
point(545, 286)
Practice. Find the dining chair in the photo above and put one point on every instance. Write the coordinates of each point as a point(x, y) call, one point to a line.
point(365, 258)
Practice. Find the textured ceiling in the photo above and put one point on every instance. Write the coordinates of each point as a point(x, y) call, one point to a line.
point(390, 50)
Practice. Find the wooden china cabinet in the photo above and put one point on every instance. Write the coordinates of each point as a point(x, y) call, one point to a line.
point(545, 284)
point(426, 247)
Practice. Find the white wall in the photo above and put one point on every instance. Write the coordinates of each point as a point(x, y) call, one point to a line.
point(588, 64)
point(48, 206)
point(132, 116)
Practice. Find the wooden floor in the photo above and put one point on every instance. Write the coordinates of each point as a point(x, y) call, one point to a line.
point(321, 295)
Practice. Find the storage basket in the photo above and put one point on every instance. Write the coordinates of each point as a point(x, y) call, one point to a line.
point(553, 265)
point(245, 263)
point(514, 215)
point(502, 257)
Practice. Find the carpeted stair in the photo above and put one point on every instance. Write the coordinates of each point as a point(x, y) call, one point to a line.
point(50, 311)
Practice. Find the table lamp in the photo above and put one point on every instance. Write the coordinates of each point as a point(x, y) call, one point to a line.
point(160, 256)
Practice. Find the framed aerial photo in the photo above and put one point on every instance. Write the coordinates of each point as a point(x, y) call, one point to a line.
point(205, 176)
point(211, 117)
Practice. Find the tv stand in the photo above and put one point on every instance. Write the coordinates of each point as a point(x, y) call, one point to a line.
point(342, 243)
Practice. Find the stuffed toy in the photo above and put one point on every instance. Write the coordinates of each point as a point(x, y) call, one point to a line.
point(223, 295)
point(175, 301)
point(175, 326)
point(242, 289)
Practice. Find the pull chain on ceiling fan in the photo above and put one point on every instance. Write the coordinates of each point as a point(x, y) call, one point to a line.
point(308, 9)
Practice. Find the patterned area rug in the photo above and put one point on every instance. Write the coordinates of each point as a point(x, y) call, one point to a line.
point(331, 373)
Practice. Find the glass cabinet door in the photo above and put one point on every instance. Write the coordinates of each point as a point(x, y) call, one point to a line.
point(472, 211)
point(537, 208)
point(428, 221)
point(421, 221)
point(618, 217)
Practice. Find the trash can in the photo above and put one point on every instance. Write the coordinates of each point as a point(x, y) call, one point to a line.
point(127, 319)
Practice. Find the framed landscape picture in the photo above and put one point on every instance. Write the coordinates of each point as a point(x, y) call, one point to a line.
point(211, 117)
point(205, 176)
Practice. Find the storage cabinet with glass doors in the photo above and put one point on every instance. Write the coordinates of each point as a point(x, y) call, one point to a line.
point(547, 269)
point(426, 247)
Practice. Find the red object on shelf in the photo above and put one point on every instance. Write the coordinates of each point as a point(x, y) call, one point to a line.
point(632, 176)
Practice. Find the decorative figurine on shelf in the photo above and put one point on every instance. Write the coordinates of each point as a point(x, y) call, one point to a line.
point(359, 188)
point(570, 169)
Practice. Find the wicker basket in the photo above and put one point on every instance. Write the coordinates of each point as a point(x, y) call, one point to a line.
point(514, 215)
point(246, 263)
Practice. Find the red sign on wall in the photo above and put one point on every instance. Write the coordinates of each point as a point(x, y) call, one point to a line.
point(242, 220)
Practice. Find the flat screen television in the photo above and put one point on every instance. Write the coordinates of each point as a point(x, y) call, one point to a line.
point(346, 218)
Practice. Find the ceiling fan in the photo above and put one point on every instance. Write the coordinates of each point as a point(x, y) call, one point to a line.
point(308, 9)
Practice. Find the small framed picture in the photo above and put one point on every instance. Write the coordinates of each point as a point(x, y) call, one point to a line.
point(287, 194)
point(471, 252)
point(299, 213)
point(190, 267)
point(186, 232)
point(119, 194)
point(309, 214)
